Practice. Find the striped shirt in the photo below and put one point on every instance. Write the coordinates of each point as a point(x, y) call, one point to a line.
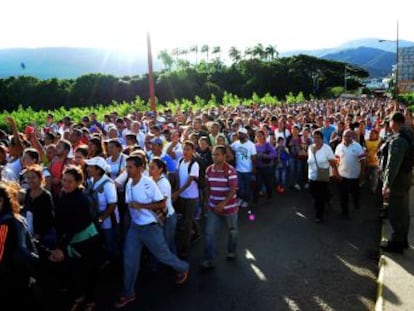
point(219, 185)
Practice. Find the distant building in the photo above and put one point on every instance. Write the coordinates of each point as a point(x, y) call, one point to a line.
point(406, 69)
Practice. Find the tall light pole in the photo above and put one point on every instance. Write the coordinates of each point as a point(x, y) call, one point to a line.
point(397, 56)
point(398, 59)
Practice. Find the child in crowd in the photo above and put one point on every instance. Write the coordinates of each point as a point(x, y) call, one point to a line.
point(282, 160)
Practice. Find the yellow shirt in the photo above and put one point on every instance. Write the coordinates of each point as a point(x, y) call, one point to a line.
point(372, 148)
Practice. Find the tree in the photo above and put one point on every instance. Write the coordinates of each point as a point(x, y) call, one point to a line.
point(205, 49)
point(216, 50)
point(258, 51)
point(194, 49)
point(166, 59)
point(271, 52)
point(235, 54)
point(176, 52)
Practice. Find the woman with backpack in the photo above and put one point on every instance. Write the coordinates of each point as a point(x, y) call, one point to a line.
point(102, 191)
point(158, 171)
point(79, 246)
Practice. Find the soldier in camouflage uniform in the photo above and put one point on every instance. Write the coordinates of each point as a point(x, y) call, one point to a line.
point(396, 184)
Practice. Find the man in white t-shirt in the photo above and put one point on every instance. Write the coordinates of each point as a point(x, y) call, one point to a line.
point(245, 152)
point(142, 197)
point(351, 158)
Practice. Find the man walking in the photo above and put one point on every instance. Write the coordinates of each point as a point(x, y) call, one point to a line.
point(143, 197)
point(351, 159)
point(222, 206)
point(245, 151)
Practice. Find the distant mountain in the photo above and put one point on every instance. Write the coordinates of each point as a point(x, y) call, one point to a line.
point(67, 63)
point(373, 54)
point(377, 62)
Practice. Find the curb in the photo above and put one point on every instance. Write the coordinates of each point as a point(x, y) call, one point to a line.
point(379, 304)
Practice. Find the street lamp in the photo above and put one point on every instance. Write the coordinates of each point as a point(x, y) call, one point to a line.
point(396, 59)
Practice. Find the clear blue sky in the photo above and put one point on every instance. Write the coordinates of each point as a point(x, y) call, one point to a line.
point(123, 24)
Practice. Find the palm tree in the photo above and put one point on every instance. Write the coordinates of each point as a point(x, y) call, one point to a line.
point(271, 52)
point(234, 54)
point(248, 52)
point(205, 49)
point(166, 59)
point(175, 52)
point(194, 49)
point(258, 51)
point(216, 50)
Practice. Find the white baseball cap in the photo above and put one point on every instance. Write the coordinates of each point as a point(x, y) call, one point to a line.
point(100, 162)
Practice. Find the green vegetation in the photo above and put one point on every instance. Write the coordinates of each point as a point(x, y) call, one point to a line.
point(408, 100)
point(23, 116)
point(193, 74)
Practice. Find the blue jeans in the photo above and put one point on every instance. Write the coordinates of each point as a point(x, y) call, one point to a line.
point(296, 171)
point(111, 237)
point(152, 237)
point(169, 232)
point(245, 186)
point(212, 227)
point(281, 176)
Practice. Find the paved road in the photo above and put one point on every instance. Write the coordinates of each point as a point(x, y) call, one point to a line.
point(286, 262)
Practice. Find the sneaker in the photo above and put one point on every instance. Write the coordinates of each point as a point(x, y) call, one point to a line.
point(207, 265)
point(244, 204)
point(297, 187)
point(306, 186)
point(181, 277)
point(123, 301)
point(231, 256)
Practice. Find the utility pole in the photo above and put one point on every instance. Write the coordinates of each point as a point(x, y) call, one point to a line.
point(151, 76)
point(397, 60)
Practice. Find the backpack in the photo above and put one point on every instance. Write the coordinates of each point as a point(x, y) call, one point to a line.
point(92, 196)
point(201, 180)
point(27, 255)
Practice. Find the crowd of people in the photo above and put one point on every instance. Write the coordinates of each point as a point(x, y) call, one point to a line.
point(103, 193)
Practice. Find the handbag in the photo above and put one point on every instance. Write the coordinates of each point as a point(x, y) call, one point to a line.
point(322, 174)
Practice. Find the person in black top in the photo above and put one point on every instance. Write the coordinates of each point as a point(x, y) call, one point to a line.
point(18, 260)
point(78, 242)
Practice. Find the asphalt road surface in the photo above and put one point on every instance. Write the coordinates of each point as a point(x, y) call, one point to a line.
point(285, 262)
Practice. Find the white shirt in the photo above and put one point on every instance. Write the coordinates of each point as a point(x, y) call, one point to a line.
point(349, 159)
point(141, 139)
point(122, 179)
point(244, 152)
point(165, 188)
point(106, 196)
point(145, 191)
point(117, 166)
point(192, 190)
point(323, 156)
point(284, 134)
